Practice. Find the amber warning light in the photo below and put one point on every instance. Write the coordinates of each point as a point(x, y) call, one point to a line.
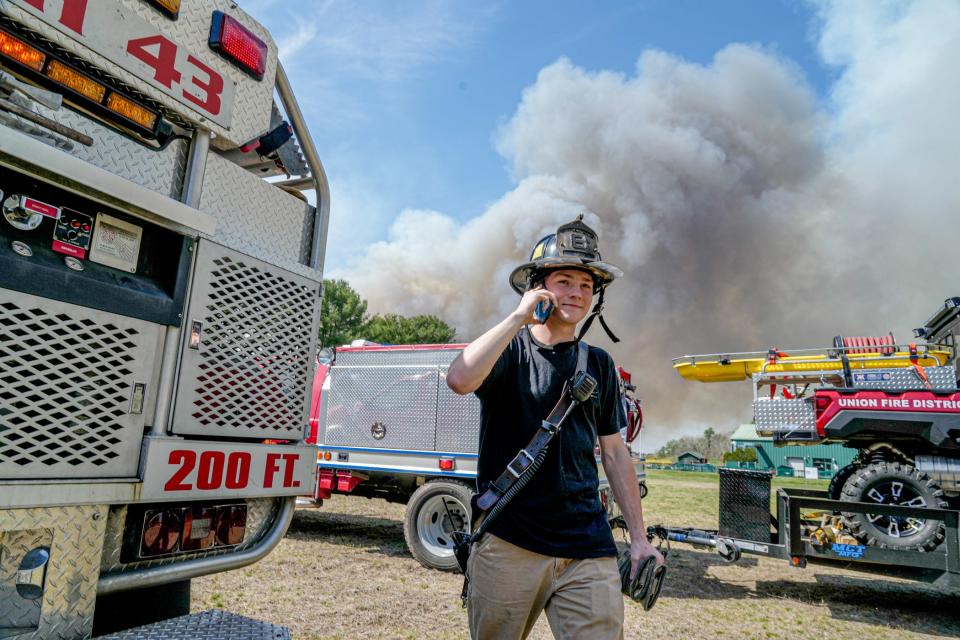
point(235, 42)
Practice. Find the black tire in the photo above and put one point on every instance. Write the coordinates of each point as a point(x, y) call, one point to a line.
point(128, 609)
point(434, 512)
point(643, 490)
point(894, 483)
point(835, 490)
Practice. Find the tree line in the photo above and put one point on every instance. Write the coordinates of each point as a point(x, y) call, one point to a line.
point(344, 318)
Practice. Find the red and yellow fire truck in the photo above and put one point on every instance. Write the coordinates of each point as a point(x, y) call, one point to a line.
point(159, 302)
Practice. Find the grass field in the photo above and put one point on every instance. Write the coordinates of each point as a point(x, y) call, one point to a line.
point(343, 571)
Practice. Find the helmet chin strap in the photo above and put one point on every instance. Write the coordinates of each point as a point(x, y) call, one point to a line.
point(597, 313)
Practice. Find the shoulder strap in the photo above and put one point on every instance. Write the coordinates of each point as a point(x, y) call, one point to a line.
point(583, 352)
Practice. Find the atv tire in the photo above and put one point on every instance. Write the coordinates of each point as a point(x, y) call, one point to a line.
point(835, 490)
point(894, 483)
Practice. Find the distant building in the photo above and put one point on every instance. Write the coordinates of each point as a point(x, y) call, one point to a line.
point(691, 457)
point(793, 459)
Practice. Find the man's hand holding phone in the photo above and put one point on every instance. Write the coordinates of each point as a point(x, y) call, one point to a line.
point(536, 305)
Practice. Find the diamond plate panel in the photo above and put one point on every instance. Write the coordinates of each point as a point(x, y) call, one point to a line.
point(261, 512)
point(257, 218)
point(745, 504)
point(20, 614)
point(251, 111)
point(903, 379)
point(215, 624)
point(72, 572)
point(66, 376)
point(397, 357)
point(160, 171)
point(249, 376)
point(458, 419)
point(401, 399)
point(775, 415)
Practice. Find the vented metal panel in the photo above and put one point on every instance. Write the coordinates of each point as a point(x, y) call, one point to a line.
point(780, 414)
point(206, 625)
point(257, 218)
point(253, 369)
point(66, 379)
point(903, 379)
point(261, 513)
point(458, 419)
point(397, 357)
point(745, 504)
point(399, 402)
point(74, 535)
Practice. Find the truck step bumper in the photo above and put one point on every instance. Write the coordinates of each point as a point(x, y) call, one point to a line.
point(213, 624)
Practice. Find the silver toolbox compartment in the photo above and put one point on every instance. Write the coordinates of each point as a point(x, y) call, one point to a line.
point(779, 415)
point(67, 376)
point(249, 374)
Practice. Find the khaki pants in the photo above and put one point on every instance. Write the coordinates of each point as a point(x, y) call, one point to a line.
point(510, 586)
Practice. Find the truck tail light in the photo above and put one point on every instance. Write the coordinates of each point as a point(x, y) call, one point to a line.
point(447, 464)
point(235, 42)
point(231, 525)
point(18, 50)
point(75, 81)
point(161, 532)
point(194, 528)
point(820, 404)
point(198, 528)
point(123, 106)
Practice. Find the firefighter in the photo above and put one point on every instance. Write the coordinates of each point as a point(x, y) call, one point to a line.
point(551, 548)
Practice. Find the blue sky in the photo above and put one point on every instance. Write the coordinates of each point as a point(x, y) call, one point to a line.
point(405, 100)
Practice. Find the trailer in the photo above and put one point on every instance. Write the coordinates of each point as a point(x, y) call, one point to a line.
point(895, 508)
point(159, 306)
point(387, 426)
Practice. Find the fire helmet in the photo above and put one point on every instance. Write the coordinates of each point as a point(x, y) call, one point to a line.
point(573, 246)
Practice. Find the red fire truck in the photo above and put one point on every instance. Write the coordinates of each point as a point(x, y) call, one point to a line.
point(387, 426)
point(159, 302)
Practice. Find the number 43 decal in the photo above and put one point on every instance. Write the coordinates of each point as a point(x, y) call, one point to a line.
point(100, 25)
point(161, 55)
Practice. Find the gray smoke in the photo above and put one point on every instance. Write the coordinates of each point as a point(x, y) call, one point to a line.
point(744, 214)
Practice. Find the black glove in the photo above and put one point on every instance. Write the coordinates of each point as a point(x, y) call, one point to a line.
point(646, 585)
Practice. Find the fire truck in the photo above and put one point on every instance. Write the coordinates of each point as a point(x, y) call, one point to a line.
point(895, 508)
point(387, 426)
point(159, 302)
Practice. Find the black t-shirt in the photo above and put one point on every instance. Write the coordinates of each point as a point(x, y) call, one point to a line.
point(558, 513)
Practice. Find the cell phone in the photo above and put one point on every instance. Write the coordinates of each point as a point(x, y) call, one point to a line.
point(543, 310)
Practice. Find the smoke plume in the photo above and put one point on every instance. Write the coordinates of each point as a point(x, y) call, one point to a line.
point(744, 213)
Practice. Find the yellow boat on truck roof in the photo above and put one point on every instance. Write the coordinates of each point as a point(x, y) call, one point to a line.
point(732, 367)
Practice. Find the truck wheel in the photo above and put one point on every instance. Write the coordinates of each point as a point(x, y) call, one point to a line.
point(127, 609)
point(435, 511)
point(835, 490)
point(894, 483)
